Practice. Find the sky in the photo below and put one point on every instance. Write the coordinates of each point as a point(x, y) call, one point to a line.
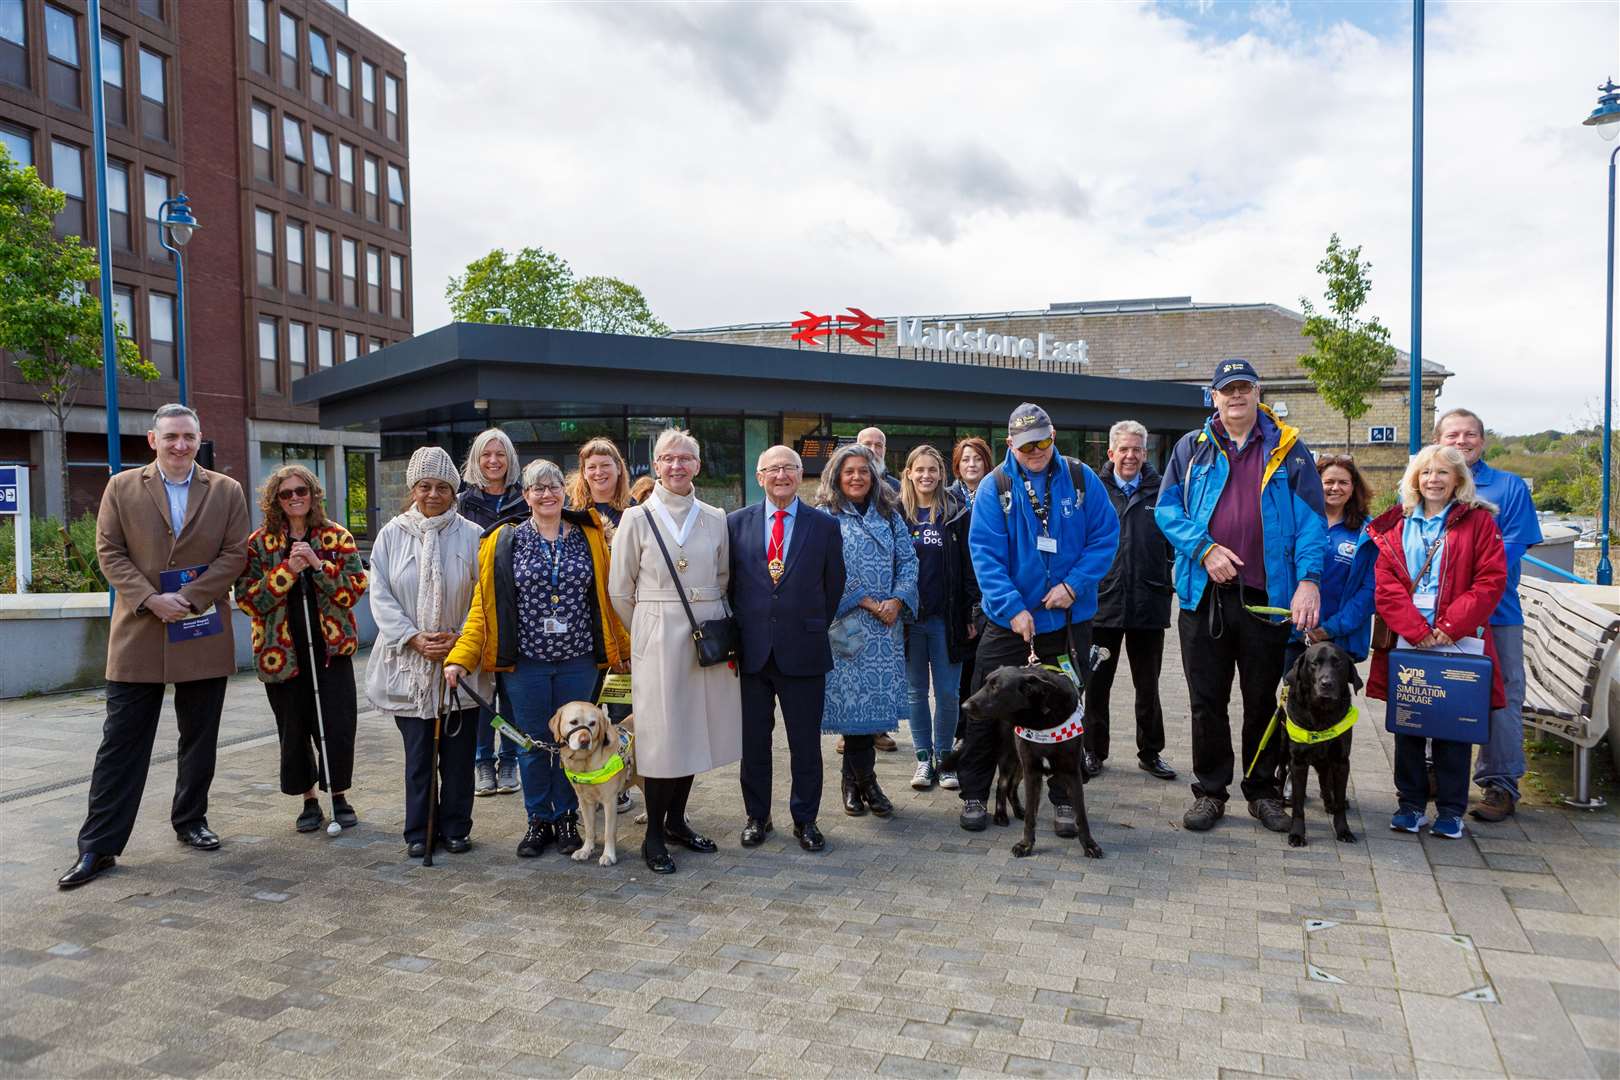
point(741, 162)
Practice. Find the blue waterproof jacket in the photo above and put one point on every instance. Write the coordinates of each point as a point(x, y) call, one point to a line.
point(1291, 510)
point(1014, 574)
point(1347, 594)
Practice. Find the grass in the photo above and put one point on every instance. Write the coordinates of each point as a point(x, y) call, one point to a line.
point(1550, 767)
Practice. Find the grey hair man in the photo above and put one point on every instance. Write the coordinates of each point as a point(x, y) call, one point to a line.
point(874, 440)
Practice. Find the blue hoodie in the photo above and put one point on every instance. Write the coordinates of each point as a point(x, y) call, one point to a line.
point(1014, 575)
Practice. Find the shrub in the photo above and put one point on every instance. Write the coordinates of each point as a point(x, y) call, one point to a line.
point(56, 569)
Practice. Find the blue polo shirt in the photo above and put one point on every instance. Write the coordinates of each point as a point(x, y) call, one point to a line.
point(1521, 531)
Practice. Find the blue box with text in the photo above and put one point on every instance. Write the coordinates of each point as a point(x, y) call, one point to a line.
point(1439, 695)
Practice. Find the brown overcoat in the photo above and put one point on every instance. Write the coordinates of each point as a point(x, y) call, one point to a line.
point(135, 546)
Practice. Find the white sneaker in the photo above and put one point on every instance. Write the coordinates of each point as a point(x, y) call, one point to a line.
point(923, 778)
point(948, 781)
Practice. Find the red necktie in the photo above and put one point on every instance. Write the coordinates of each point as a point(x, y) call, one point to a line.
point(773, 551)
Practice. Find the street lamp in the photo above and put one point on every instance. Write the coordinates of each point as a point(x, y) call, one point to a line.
point(175, 226)
point(1606, 119)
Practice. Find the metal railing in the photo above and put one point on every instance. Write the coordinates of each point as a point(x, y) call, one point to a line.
point(1559, 570)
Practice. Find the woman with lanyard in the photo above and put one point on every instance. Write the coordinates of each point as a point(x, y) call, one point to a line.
point(540, 618)
point(1347, 572)
point(970, 463)
point(947, 597)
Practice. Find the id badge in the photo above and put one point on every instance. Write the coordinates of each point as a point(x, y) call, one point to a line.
point(1046, 544)
point(553, 626)
point(615, 690)
point(1068, 668)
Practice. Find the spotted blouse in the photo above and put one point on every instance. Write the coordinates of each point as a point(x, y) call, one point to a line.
point(534, 561)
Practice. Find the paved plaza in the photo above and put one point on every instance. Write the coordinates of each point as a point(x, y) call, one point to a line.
point(909, 948)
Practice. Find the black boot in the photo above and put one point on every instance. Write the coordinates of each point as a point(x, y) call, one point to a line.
point(568, 838)
point(875, 799)
point(854, 803)
point(541, 835)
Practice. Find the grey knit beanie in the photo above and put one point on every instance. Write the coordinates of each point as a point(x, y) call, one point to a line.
point(431, 463)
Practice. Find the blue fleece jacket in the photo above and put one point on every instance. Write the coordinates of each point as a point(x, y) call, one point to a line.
point(1347, 588)
point(1521, 531)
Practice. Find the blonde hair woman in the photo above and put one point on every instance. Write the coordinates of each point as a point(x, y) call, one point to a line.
point(602, 482)
point(490, 476)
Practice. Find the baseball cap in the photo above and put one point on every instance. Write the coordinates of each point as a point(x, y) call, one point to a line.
point(1028, 423)
point(1233, 370)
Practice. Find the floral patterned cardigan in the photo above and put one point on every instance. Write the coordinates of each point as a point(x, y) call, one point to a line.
point(267, 581)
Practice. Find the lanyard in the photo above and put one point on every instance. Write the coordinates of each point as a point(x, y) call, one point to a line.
point(1042, 511)
point(554, 549)
point(685, 529)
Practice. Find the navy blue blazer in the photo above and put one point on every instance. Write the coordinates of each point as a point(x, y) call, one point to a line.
point(786, 619)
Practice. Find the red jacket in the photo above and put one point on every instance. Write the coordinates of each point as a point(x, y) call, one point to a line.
point(1473, 573)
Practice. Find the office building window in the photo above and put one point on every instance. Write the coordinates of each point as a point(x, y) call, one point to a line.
point(320, 144)
point(372, 167)
point(124, 312)
point(320, 68)
point(374, 344)
point(62, 56)
point(396, 197)
point(288, 33)
point(323, 265)
point(269, 355)
point(154, 95)
point(351, 272)
point(118, 205)
point(67, 176)
point(258, 20)
point(351, 347)
point(295, 257)
point(346, 177)
point(262, 147)
point(156, 190)
point(19, 143)
point(160, 322)
point(264, 247)
point(368, 93)
point(396, 286)
point(13, 43)
point(325, 346)
point(152, 9)
point(292, 149)
point(297, 351)
point(112, 79)
point(391, 106)
point(345, 82)
point(374, 280)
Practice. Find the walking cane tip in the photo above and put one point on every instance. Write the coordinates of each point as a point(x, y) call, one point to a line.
point(333, 829)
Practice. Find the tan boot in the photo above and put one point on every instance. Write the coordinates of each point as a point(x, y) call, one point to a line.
point(840, 746)
point(885, 741)
point(1495, 805)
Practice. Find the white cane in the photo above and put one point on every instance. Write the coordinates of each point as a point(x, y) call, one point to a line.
point(320, 724)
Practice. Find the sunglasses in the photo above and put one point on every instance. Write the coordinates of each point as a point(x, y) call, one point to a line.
point(1038, 444)
point(289, 494)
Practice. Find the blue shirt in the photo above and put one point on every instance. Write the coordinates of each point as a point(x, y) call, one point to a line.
point(179, 497)
point(792, 509)
point(1521, 531)
point(1127, 486)
point(1416, 537)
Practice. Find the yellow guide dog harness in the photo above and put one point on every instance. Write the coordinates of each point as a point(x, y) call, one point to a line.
point(613, 767)
point(1298, 734)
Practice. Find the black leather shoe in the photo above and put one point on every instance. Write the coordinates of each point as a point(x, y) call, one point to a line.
point(416, 849)
point(854, 801)
point(1157, 767)
point(810, 837)
point(876, 801)
point(755, 831)
point(87, 869)
point(200, 837)
point(658, 864)
point(456, 845)
point(1090, 765)
point(691, 841)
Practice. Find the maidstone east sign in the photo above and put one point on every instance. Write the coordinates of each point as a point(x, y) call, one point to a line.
point(946, 337)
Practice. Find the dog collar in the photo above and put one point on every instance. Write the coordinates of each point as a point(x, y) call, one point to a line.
point(1073, 728)
point(613, 767)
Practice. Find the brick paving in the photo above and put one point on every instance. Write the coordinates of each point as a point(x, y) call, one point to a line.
point(909, 948)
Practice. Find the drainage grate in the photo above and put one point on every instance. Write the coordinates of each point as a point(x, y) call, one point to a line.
point(1387, 958)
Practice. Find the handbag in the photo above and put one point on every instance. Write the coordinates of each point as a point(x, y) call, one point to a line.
point(1383, 638)
point(716, 639)
point(847, 636)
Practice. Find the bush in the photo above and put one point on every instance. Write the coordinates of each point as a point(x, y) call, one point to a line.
point(56, 570)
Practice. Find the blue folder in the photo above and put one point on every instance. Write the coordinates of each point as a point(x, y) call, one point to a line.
point(1439, 695)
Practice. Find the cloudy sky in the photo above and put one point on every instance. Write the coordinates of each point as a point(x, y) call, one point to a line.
point(741, 162)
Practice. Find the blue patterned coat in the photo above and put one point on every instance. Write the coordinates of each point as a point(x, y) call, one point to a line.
point(866, 693)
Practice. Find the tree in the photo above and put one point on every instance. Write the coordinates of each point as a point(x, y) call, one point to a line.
point(537, 287)
point(610, 306)
point(1352, 356)
point(50, 322)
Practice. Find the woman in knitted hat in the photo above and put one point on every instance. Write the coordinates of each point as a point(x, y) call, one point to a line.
point(424, 567)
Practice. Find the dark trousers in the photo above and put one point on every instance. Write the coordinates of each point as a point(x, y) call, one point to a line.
point(486, 734)
point(999, 647)
point(125, 757)
point(801, 698)
point(860, 757)
point(293, 703)
point(457, 742)
point(1218, 640)
point(969, 669)
point(1452, 761)
point(1146, 651)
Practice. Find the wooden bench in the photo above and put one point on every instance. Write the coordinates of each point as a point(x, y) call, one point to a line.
point(1571, 654)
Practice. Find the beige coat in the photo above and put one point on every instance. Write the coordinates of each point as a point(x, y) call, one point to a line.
point(135, 545)
point(688, 718)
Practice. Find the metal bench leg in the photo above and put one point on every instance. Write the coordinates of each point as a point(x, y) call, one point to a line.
point(1583, 799)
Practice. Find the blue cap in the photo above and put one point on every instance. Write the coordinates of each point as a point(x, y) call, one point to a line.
point(1233, 370)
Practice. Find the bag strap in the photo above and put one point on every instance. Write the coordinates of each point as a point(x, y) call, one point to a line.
point(1077, 477)
point(1434, 549)
point(680, 589)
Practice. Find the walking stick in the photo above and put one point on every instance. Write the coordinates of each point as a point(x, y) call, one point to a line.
point(320, 723)
point(433, 775)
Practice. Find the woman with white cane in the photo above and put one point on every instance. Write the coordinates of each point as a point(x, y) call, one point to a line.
point(299, 559)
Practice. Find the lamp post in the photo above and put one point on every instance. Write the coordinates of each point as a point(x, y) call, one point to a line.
point(175, 226)
point(1606, 119)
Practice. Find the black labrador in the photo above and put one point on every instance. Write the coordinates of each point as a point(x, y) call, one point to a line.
point(1040, 701)
point(1319, 695)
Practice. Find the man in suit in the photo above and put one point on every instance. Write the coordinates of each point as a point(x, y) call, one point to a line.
point(171, 515)
point(787, 575)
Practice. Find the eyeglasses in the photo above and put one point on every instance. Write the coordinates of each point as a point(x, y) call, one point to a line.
point(546, 489)
point(678, 459)
point(1239, 387)
point(778, 470)
point(289, 494)
point(1038, 444)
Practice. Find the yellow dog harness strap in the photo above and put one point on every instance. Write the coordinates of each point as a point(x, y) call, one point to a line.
point(613, 767)
point(1298, 734)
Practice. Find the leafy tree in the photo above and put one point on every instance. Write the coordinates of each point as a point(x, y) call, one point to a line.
point(50, 322)
point(1494, 451)
point(537, 287)
point(610, 306)
point(1352, 355)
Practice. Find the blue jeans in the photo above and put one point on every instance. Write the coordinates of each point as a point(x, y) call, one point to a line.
point(538, 688)
point(1501, 759)
point(487, 735)
point(927, 648)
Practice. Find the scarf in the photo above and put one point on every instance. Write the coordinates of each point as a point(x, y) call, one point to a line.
point(425, 674)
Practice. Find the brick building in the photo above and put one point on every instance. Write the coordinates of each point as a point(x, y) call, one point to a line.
point(284, 122)
point(1169, 339)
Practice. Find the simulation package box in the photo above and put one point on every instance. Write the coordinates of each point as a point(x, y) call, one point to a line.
point(1439, 695)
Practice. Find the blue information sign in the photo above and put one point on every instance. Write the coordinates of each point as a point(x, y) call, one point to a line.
point(1381, 434)
point(10, 499)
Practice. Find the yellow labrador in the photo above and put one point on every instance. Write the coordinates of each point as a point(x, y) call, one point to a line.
point(599, 759)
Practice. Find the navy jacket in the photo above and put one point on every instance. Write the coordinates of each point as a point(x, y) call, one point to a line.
point(787, 619)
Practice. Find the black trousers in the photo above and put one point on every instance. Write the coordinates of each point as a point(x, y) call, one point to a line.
point(1453, 762)
point(1146, 651)
point(1218, 640)
point(125, 757)
point(458, 740)
point(801, 698)
point(999, 647)
point(860, 757)
point(969, 669)
point(293, 703)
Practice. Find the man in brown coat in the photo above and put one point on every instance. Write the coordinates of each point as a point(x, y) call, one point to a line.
point(170, 517)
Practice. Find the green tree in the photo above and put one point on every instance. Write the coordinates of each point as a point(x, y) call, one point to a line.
point(610, 306)
point(535, 287)
point(50, 322)
point(1352, 355)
